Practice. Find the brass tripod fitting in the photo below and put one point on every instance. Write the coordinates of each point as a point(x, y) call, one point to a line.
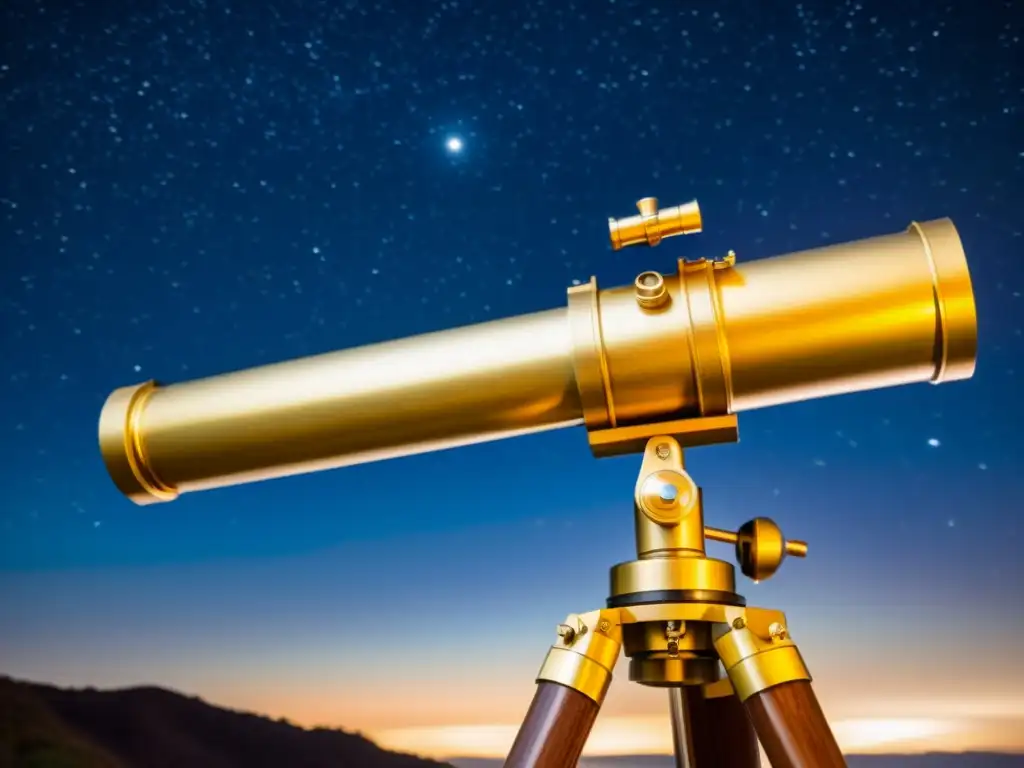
point(671, 566)
point(757, 652)
point(585, 654)
point(667, 654)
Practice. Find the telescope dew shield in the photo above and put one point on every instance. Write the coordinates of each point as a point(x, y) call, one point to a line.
point(714, 338)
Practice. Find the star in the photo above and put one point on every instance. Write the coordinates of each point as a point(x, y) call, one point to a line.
point(454, 145)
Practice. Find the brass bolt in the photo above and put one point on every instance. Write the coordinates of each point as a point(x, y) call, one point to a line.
point(604, 625)
point(663, 451)
point(738, 624)
point(567, 633)
point(777, 631)
point(673, 633)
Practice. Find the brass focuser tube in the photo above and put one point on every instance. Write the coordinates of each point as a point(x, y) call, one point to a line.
point(711, 339)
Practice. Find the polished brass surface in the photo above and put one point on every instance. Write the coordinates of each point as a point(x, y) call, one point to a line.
point(651, 292)
point(760, 547)
point(689, 433)
point(584, 656)
point(720, 338)
point(713, 613)
point(418, 394)
point(652, 225)
point(874, 313)
point(660, 671)
point(668, 637)
point(669, 521)
point(672, 574)
point(669, 526)
point(757, 651)
point(669, 518)
point(670, 534)
point(670, 653)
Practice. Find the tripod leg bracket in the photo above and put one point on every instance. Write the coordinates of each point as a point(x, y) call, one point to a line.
point(585, 654)
point(757, 652)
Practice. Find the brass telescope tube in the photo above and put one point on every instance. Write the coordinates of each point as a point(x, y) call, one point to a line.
point(711, 339)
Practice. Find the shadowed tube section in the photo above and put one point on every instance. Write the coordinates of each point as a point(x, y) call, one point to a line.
point(721, 731)
point(720, 338)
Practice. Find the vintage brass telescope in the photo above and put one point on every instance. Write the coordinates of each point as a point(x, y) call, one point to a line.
point(652, 368)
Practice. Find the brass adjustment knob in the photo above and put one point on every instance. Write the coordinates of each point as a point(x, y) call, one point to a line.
point(760, 547)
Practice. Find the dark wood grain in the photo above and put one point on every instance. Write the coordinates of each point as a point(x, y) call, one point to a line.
point(555, 729)
point(792, 727)
point(722, 734)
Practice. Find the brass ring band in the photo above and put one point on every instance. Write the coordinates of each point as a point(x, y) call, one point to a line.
point(589, 362)
point(767, 669)
point(953, 297)
point(576, 671)
point(707, 343)
point(123, 446)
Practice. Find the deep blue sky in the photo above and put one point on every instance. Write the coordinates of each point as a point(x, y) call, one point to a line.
point(194, 188)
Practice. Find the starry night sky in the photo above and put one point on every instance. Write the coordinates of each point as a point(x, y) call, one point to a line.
point(193, 188)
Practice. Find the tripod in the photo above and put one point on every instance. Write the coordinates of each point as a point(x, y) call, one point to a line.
point(675, 614)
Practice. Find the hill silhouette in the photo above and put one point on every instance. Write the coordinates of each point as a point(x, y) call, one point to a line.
point(42, 726)
point(931, 760)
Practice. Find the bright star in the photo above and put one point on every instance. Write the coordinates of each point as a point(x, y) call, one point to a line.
point(453, 144)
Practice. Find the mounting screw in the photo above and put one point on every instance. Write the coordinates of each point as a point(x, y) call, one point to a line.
point(604, 625)
point(663, 451)
point(738, 624)
point(777, 631)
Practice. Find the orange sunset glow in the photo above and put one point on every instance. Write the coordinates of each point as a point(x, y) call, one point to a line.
point(470, 715)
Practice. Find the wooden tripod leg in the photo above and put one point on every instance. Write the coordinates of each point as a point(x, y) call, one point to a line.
point(721, 733)
point(555, 729)
point(793, 728)
point(571, 685)
point(771, 679)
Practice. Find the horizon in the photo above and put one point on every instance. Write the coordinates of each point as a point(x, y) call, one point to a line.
point(201, 188)
point(892, 737)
